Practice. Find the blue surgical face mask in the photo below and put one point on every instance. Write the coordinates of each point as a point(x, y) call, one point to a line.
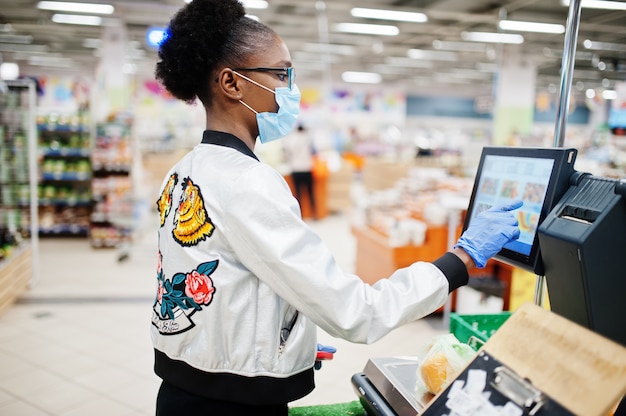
point(273, 126)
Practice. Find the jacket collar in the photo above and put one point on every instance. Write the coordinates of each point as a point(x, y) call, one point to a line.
point(228, 140)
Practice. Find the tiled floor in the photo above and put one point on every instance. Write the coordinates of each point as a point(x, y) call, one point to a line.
point(77, 343)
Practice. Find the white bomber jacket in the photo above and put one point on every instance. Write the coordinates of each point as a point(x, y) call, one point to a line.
point(238, 267)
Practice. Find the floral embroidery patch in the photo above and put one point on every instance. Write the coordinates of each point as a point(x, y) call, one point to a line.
point(164, 204)
point(191, 220)
point(182, 296)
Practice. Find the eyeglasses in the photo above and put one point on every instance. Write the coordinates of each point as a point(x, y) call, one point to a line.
point(285, 73)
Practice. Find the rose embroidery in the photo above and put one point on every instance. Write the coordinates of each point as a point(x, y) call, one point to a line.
point(185, 291)
point(199, 287)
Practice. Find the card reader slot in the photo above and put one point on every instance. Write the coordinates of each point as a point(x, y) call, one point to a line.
point(581, 214)
point(567, 217)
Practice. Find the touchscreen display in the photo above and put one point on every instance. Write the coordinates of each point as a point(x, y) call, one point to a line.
point(505, 179)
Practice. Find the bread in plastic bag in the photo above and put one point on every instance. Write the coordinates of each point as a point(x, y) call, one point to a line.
point(442, 362)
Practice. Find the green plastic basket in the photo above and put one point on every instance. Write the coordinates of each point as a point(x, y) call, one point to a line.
point(475, 330)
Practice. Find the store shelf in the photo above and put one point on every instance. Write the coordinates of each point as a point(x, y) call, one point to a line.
point(68, 152)
point(66, 176)
point(63, 127)
point(64, 230)
point(18, 189)
point(65, 203)
point(111, 187)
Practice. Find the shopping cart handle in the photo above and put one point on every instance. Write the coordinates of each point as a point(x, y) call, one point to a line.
point(324, 355)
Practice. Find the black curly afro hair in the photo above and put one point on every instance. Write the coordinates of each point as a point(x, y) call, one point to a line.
point(201, 37)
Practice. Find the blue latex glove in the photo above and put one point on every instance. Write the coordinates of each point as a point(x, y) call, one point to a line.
point(324, 352)
point(489, 231)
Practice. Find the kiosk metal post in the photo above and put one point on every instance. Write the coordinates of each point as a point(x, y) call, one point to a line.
point(567, 73)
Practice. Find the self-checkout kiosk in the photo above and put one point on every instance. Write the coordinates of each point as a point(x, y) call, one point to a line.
point(572, 230)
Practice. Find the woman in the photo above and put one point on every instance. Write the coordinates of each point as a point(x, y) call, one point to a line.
point(242, 280)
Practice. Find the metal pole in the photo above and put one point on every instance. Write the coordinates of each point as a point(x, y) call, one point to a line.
point(567, 73)
point(567, 70)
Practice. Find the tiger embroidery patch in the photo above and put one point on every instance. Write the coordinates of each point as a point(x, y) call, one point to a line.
point(191, 221)
point(164, 204)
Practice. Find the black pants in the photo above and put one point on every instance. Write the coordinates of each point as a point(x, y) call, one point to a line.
point(303, 181)
point(173, 401)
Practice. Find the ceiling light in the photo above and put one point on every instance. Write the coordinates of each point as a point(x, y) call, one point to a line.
point(490, 37)
point(609, 94)
point(74, 19)
point(459, 46)
point(64, 6)
point(250, 4)
point(531, 26)
point(598, 4)
point(365, 29)
point(361, 77)
point(9, 71)
point(433, 55)
point(389, 15)
point(604, 46)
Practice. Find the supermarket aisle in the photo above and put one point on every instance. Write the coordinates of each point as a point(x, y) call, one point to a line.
point(78, 342)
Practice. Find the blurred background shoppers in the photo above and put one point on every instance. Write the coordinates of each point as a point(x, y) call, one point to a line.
point(299, 154)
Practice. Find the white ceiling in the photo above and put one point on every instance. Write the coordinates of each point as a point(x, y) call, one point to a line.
point(301, 23)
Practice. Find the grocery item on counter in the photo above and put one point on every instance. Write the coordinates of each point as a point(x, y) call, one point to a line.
point(443, 361)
